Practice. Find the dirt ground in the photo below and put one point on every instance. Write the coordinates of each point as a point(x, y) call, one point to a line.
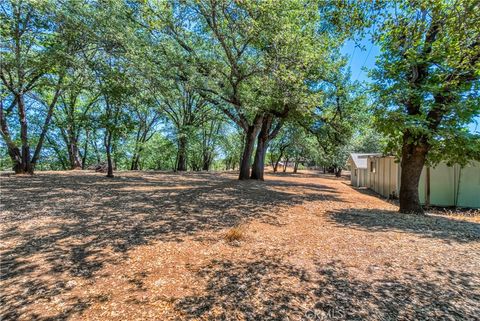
point(154, 246)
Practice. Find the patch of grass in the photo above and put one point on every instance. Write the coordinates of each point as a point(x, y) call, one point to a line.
point(452, 211)
point(235, 234)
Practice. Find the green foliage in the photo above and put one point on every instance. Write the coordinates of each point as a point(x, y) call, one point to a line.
point(158, 145)
point(341, 119)
point(367, 140)
point(427, 77)
point(150, 81)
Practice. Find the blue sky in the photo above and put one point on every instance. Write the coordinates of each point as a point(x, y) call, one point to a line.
point(363, 56)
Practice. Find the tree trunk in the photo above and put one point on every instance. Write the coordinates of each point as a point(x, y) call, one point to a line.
point(85, 150)
point(135, 166)
point(17, 163)
point(295, 167)
point(25, 166)
point(338, 172)
point(136, 151)
point(207, 155)
point(108, 144)
point(95, 148)
point(246, 160)
point(182, 154)
point(206, 166)
point(135, 162)
point(207, 160)
point(258, 167)
point(74, 155)
point(46, 124)
point(12, 149)
point(413, 160)
point(16, 158)
point(275, 167)
point(285, 165)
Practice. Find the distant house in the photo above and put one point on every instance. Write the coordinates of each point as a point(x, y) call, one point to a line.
point(441, 185)
point(358, 168)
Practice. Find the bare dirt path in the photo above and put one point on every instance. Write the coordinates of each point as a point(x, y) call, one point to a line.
point(152, 246)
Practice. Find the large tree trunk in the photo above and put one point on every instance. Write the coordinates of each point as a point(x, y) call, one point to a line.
point(16, 157)
point(264, 137)
point(258, 167)
point(413, 160)
point(182, 154)
point(246, 160)
point(12, 149)
point(295, 167)
point(17, 160)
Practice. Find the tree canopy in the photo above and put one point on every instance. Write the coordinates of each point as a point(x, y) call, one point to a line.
point(217, 84)
point(427, 85)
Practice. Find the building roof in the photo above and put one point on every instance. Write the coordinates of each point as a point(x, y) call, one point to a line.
point(360, 160)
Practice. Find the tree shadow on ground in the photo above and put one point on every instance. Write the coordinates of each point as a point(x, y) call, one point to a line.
point(271, 289)
point(308, 174)
point(56, 226)
point(430, 226)
point(250, 290)
point(368, 191)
